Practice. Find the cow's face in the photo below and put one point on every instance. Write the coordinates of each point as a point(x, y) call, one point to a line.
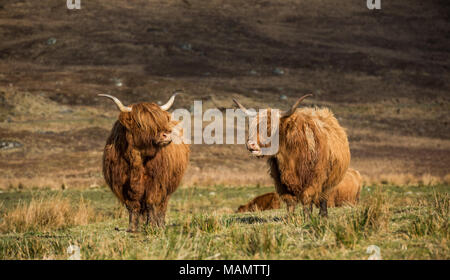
point(262, 126)
point(258, 139)
point(148, 125)
point(242, 209)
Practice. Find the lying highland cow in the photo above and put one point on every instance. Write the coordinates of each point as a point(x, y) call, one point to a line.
point(140, 164)
point(263, 202)
point(346, 192)
point(313, 153)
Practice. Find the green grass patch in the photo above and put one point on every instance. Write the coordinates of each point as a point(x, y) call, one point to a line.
point(404, 222)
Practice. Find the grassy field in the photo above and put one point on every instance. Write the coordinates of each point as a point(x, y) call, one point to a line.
point(407, 222)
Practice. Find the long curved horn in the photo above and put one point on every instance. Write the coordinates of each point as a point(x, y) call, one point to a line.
point(247, 112)
point(119, 104)
point(294, 107)
point(169, 103)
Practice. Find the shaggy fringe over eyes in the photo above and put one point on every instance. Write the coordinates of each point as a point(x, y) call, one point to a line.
point(150, 117)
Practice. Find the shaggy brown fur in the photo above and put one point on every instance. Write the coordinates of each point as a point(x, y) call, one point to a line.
point(263, 202)
point(140, 166)
point(313, 157)
point(346, 192)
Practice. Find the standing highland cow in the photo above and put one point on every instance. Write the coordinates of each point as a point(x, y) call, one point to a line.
point(313, 153)
point(141, 165)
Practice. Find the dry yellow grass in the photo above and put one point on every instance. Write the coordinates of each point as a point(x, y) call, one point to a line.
point(228, 177)
point(405, 179)
point(43, 214)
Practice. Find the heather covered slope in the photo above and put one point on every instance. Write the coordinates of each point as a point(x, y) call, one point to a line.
point(384, 74)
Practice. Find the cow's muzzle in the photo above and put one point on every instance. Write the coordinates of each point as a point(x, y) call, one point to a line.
point(164, 139)
point(254, 148)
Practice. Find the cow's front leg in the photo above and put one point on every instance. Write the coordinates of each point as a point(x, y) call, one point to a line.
point(306, 198)
point(156, 214)
point(150, 215)
point(161, 215)
point(323, 207)
point(133, 221)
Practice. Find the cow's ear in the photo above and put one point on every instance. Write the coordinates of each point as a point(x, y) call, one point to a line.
point(125, 120)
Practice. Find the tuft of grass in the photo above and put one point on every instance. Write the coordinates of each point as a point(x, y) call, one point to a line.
point(49, 213)
point(436, 221)
point(373, 215)
point(367, 219)
point(441, 205)
point(209, 223)
point(260, 242)
point(316, 227)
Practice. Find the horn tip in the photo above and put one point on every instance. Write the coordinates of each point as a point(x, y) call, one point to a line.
point(105, 95)
point(177, 91)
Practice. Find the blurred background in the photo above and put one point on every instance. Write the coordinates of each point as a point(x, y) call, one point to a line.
point(384, 73)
